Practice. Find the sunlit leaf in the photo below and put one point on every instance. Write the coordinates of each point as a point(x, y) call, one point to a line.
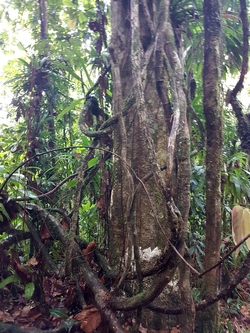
point(28, 193)
point(237, 232)
point(85, 140)
point(246, 225)
point(72, 24)
point(69, 3)
point(69, 108)
point(82, 17)
point(92, 162)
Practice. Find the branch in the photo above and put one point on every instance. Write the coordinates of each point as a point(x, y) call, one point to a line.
point(64, 327)
point(106, 70)
point(244, 66)
point(101, 293)
point(55, 228)
point(108, 125)
point(239, 276)
point(18, 236)
point(80, 264)
point(35, 156)
point(225, 257)
point(39, 244)
point(147, 296)
point(79, 188)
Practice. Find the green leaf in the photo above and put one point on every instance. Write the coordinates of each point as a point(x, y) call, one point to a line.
point(86, 71)
point(4, 211)
point(57, 312)
point(27, 193)
point(22, 60)
point(69, 3)
point(82, 17)
point(72, 183)
point(70, 107)
point(237, 185)
point(92, 162)
point(29, 290)
point(69, 70)
point(85, 141)
point(9, 279)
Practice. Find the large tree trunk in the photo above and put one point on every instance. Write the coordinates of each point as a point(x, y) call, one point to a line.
point(208, 321)
point(150, 198)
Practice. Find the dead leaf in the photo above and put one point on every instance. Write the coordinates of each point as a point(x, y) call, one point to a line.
point(19, 269)
point(90, 319)
point(88, 253)
point(176, 329)
point(44, 232)
point(246, 225)
point(100, 202)
point(237, 213)
point(32, 262)
point(5, 317)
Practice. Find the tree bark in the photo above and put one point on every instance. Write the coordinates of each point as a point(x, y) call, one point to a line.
point(208, 321)
point(148, 212)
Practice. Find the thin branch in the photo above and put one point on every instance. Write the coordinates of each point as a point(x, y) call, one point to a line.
point(106, 70)
point(47, 194)
point(39, 244)
point(245, 52)
point(34, 156)
point(226, 256)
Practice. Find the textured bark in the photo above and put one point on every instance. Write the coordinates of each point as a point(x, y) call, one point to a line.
point(148, 211)
point(243, 119)
point(132, 144)
point(208, 322)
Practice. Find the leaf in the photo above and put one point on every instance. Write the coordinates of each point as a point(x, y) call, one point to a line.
point(9, 279)
point(246, 225)
point(85, 141)
point(29, 290)
point(69, 70)
point(44, 232)
point(82, 17)
point(90, 319)
point(71, 183)
point(88, 253)
point(92, 162)
point(69, 4)
point(237, 232)
point(237, 185)
point(70, 107)
point(4, 212)
point(21, 60)
point(72, 24)
point(57, 312)
point(27, 193)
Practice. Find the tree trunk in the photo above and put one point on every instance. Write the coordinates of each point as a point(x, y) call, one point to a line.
point(208, 321)
point(150, 197)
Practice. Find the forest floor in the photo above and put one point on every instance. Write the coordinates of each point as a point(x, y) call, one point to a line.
point(235, 311)
point(61, 297)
